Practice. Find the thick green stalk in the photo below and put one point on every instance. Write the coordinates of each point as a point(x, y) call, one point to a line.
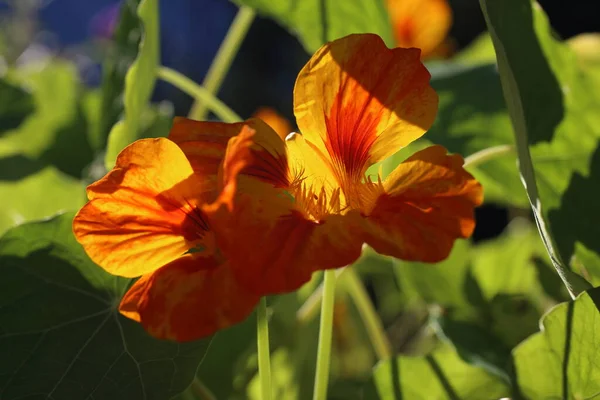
point(264, 353)
point(325, 337)
point(222, 61)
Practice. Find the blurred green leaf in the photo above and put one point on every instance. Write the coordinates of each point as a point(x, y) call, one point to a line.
point(317, 22)
point(42, 160)
point(561, 361)
point(15, 105)
point(479, 51)
point(41, 192)
point(61, 335)
point(440, 375)
point(506, 265)
point(553, 107)
point(57, 132)
point(139, 81)
point(442, 283)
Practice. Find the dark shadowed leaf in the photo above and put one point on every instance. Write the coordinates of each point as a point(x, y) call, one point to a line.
point(61, 336)
point(317, 22)
point(15, 105)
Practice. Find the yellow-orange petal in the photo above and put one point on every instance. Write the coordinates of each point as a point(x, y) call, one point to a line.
point(278, 122)
point(423, 24)
point(429, 202)
point(360, 102)
point(204, 143)
point(188, 299)
point(145, 212)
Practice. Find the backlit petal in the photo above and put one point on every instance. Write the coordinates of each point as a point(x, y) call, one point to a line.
point(204, 143)
point(423, 24)
point(316, 190)
point(145, 212)
point(360, 102)
point(429, 202)
point(281, 256)
point(188, 299)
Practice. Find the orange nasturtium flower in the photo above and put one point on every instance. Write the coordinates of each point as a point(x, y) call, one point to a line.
point(423, 24)
point(217, 215)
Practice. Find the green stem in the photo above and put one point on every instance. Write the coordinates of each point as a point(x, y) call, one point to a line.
point(365, 308)
point(310, 308)
point(185, 84)
point(325, 337)
point(264, 354)
point(222, 61)
point(487, 154)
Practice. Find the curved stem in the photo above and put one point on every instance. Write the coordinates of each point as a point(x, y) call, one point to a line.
point(365, 308)
point(325, 337)
point(262, 340)
point(487, 154)
point(185, 84)
point(222, 61)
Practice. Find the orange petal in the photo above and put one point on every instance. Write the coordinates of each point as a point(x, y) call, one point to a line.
point(278, 253)
point(429, 202)
point(204, 143)
point(145, 212)
point(275, 120)
point(423, 24)
point(188, 299)
point(361, 102)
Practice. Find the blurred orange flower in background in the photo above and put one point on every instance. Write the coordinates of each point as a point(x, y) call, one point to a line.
point(217, 215)
point(278, 122)
point(423, 24)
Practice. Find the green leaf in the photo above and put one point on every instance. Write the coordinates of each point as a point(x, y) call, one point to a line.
point(139, 82)
point(317, 22)
point(480, 51)
point(15, 105)
point(561, 361)
point(30, 191)
point(61, 335)
point(553, 108)
point(442, 283)
point(57, 132)
point(438, 376)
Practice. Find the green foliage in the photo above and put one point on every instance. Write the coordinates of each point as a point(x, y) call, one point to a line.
point(61, 335)
point(15, 105)
point(464, 328)
point(552, 108)
point(439, 375)
point(317, 22)
point(561, 362)
point(139, 81)
point(42, 158)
